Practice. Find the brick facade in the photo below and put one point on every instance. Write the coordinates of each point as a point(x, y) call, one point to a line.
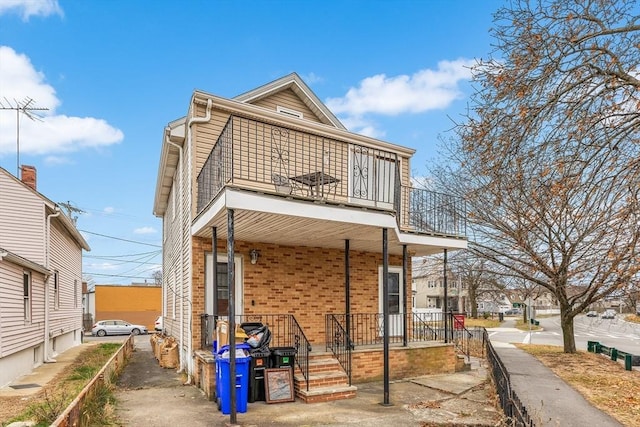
point(304, 281)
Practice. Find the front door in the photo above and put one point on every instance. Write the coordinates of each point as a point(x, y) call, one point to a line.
point(223, 287)
point(396, 301)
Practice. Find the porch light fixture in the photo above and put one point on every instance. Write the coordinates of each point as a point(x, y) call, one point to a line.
point(254, 254)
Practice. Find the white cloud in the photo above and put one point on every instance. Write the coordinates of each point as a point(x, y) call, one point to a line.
point(109, 210)
point(28, 8)
point(57, 160)
point(54, 133)
point(145, 230)
point(423, 91)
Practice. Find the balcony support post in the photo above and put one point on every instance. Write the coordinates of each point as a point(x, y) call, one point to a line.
point(232, 315)
point(214, 279)
point(405, 313)
point(385, 313)
point(347, 290)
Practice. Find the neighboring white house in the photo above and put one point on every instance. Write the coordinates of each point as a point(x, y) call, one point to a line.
point(40, 277)
point(428, 286)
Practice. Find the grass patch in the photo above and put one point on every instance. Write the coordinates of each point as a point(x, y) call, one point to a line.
point(54, 398)
point(603, 382)
point(633, 318)
point(524, 326)
point(485, 323)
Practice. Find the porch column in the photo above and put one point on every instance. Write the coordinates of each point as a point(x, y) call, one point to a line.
point(405, 334)
point(347, 290)
point(445, 306)
point(214, 244)
point(385, 314)
point(232, 316)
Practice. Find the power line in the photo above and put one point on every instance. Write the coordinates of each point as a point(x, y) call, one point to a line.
point(118, 238)
point(123, 256)
point(116, 275)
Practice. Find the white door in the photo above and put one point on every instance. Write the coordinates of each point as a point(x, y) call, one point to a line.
point(223, 288)
point(396, 301)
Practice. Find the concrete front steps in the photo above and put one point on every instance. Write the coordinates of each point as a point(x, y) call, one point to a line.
point(327, 380)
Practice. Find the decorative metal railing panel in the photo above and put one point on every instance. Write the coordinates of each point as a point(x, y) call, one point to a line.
point(269, 158)
point(511, 405)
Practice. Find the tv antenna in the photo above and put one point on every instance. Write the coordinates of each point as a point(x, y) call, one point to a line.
point(71, 210)
point(28, 108)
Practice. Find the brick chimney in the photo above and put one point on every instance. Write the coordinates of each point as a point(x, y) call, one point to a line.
point(28, 176)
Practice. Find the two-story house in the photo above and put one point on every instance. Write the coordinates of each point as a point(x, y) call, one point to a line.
point(274, 212)
point(40, 277)
point(429, 286)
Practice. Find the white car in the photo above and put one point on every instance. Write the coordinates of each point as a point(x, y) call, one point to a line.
point(608, 314)
point(158, 324)
point(117, 327)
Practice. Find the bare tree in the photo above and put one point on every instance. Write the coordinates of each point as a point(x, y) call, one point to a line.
point(548, 157)
point(157, 277)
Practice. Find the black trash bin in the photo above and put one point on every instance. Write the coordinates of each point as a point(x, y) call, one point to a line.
point(283, 357)
point(260, 360)
point(501, 316)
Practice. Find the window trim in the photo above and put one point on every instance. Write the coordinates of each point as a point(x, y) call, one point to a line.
point(27, 291)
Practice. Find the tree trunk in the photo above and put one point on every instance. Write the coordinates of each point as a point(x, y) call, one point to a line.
point(474, 303)
point(566, 320)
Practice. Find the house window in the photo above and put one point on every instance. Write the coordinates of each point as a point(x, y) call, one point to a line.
point(289, 112)
point(26, 286)
point(56, 291)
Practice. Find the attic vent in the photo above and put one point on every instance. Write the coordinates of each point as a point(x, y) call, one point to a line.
point(289, 112)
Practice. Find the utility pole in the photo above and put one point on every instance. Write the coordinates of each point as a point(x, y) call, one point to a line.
point(71, 210)
point(28, 108)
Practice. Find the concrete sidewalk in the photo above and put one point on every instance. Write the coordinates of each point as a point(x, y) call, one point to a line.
point(549, 400)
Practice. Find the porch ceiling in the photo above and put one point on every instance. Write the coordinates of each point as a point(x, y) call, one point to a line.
point(277, 220)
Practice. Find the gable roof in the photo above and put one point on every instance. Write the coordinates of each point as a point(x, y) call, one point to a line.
point(300, 88)
point(53, 207)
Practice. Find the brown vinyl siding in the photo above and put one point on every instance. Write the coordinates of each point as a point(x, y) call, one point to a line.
point(287, 99)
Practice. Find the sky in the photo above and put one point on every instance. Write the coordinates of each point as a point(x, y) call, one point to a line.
point(105, 78)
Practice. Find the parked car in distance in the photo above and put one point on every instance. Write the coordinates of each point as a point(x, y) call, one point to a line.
point(592, 313)
point(608, 314)
point(158, 324)
point(116, 327)
point(512, 312)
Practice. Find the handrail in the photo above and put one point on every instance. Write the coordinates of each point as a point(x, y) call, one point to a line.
point(303, 348)
point(338, 342)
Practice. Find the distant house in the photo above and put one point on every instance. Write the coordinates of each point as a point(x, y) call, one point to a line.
point(494, 302)
point(40, 277)
point(428, 286)
point(136, 303)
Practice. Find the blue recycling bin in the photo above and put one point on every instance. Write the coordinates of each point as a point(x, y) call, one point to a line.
point(223, 375)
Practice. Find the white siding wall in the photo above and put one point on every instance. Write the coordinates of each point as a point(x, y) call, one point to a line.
point(15, 333)
point(66, 259)
point(21, 220)
point(22, 231)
